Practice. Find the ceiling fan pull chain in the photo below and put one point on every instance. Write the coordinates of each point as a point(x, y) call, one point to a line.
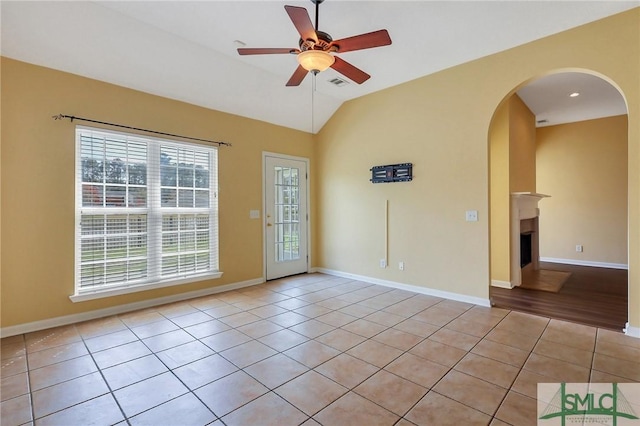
point(313, 90)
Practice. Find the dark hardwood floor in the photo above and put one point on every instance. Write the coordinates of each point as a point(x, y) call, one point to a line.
point(592, 296)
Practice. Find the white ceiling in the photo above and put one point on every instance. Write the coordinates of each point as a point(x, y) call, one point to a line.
point(549, 98)
point(185, 50)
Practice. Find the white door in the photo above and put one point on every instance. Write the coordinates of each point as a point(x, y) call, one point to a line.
point(285, 216)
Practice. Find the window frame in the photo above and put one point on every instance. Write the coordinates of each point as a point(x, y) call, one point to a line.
point(154, 218)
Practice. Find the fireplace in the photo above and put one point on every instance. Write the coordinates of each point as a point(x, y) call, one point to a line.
point(529, 244)
point(525, 249)
point(525, 237)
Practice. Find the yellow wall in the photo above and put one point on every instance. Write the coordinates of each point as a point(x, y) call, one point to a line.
point(522, 147)
point(38, 183)
point(512, 164)
point(440, 123)
point(583, 166)
point(499, 193)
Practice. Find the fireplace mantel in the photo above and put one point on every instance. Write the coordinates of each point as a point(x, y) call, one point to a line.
point(524, 205)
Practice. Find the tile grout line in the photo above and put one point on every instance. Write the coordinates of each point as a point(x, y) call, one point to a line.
point(30, 393)
point(521, 368)
point(111, 392)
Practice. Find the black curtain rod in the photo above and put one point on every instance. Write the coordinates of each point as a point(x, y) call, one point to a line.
point(71, 117)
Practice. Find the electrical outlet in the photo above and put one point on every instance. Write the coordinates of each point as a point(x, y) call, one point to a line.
point(401, 266)
point(471, 215)
point(579, 248)
point(383, 263)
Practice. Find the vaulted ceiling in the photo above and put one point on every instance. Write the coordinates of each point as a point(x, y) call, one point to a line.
point(187, 50)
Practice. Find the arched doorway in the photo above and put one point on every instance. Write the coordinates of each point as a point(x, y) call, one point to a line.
point(564, 135)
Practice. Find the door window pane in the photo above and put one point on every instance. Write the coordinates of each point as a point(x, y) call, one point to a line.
point(287, 231)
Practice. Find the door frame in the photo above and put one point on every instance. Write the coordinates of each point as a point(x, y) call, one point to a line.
point(305, 160)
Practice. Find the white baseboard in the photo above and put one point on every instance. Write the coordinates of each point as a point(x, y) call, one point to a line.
point(114, 310)
point(585, 263)
point(408, 287)
point(501, 284)
point(632, 331)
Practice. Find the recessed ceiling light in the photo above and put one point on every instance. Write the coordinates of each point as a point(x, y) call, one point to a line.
point(574, 94)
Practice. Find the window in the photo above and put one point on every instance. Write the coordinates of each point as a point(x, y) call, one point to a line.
point(146, 213)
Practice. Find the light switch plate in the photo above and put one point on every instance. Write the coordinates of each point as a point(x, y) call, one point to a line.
point(254, 214)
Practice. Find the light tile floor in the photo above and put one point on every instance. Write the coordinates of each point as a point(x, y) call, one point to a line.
point(311, 349)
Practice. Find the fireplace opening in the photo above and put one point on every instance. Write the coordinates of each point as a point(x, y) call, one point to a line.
point(525, 249)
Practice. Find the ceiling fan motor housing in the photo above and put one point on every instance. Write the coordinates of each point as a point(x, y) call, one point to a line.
point(324, 43)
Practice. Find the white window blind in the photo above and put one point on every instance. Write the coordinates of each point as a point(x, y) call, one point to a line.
point(146, 211)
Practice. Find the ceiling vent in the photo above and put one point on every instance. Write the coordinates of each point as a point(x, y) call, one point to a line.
point(338, 82)
point(543, 121)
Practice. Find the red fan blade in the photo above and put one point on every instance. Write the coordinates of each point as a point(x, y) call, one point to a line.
point(297, 77)
point(300, 18)
point(265, 51)
point(363, 41)
point(348, 70)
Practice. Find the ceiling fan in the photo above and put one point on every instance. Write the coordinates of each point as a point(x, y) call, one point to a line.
point(317, 48)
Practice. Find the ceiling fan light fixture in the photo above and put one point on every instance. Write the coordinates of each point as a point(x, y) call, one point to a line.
point(315, 60)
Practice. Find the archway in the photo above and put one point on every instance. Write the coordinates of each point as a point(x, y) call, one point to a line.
point(573, 148)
